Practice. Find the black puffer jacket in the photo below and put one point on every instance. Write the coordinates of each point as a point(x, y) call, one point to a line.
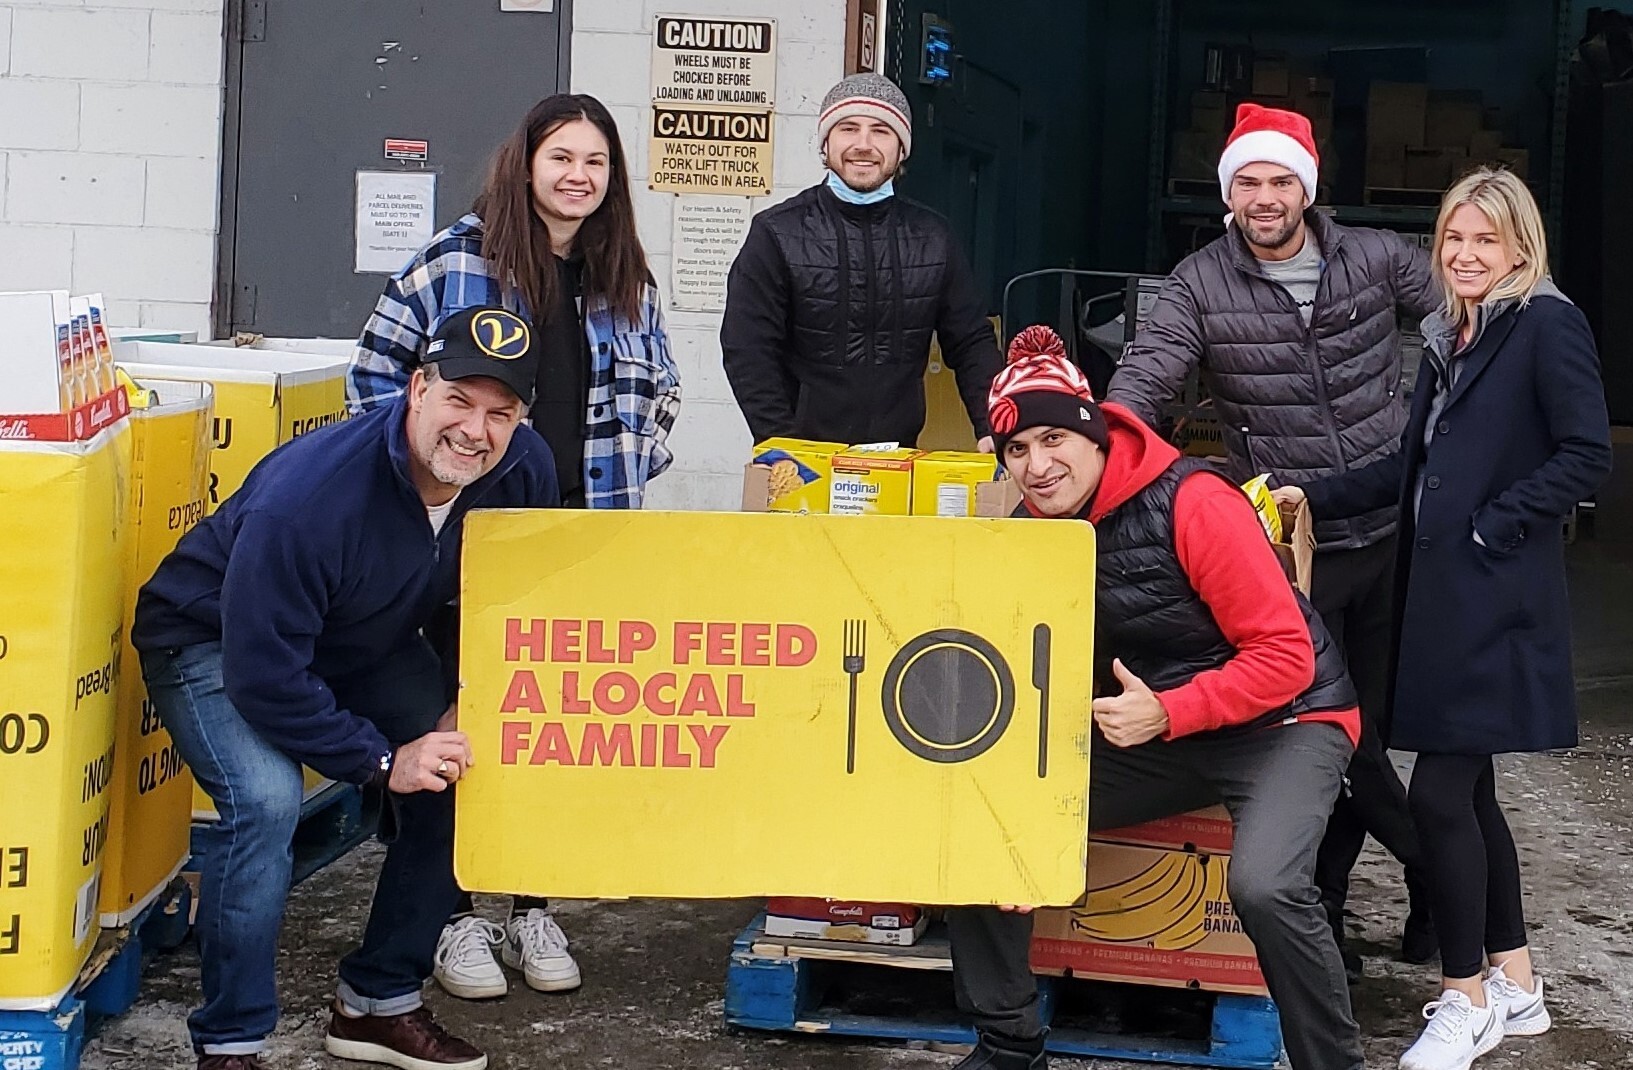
point(1148, 614)
point(1298, 402)
point(829, 312)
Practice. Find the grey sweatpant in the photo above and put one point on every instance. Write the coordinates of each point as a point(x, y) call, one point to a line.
point(1279, 784)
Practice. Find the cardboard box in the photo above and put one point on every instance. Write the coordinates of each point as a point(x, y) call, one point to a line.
point(1155, 916)
point(1386, 166)
point(1397, 113)
point(1271, 76)
point(1484, 146)
point(945, 482)
point(32, 377)
point(1516, 160)
point(1433, 169)
point(262, 398)
point(1210, 113)
point(789, 475)
point(1209, 830)
point(872, 482)
point(897, 924)
point(151, 797)
point(1452, 118)
point(63, 523)
point(1194, 155)
point(1297, 548)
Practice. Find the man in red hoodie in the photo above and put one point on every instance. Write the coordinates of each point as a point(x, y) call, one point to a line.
point(1230, 690)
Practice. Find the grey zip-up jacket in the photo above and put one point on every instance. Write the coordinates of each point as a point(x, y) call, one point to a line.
point(1300, 402)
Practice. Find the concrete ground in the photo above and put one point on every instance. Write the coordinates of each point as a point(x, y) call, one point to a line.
point(654, 971)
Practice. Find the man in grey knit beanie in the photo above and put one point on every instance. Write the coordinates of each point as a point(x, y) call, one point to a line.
point(837, 292)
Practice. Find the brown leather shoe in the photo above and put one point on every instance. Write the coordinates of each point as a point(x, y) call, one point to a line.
point(411, 1041)
point(230, 1062)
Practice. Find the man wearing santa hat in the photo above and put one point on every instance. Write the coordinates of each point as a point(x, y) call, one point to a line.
point(1292, 321)
point(1215, 682)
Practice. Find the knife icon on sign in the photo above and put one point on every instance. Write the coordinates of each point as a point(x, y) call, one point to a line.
point(1040, 680)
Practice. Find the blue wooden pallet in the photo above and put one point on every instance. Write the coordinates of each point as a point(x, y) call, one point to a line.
point(807, 986)
point(333, 821)
point(107, 985)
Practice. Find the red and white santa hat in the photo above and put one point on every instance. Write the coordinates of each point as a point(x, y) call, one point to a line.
point(1270, 135)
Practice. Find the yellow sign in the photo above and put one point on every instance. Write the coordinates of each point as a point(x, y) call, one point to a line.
point(711, 150)
point(263, 398)
point(875, 708)
point(150, 807)
point(62, 524)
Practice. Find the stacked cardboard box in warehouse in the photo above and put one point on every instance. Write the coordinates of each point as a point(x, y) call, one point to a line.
point(1268, 78)
point(1423, 139)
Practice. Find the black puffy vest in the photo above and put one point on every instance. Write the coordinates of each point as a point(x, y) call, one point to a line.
point(1147, 613)
point(867, 282)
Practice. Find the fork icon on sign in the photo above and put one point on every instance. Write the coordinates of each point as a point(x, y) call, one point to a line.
point(856, 649)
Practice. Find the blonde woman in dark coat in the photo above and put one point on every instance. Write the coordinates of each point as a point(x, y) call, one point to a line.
point(1508, 431)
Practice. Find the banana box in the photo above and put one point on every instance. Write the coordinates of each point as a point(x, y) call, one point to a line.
point(150, 805)
point(872, 481)
point(1157, 911)
point(945, 482)
point(263, 398)
point(789, 475)
point(63, 525)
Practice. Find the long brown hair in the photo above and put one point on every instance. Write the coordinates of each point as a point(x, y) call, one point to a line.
point(515, 240)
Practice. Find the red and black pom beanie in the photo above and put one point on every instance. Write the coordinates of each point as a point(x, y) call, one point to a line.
point(1041, 387)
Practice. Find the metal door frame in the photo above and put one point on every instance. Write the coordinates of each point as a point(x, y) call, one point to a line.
point(242, 13)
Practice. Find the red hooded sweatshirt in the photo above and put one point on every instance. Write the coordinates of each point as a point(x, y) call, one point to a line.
point(1226, 556)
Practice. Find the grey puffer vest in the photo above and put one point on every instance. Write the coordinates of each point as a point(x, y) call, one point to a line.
point(1148, 614)
point(1300, 402)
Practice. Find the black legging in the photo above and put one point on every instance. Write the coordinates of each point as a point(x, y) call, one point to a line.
point(1469, 854)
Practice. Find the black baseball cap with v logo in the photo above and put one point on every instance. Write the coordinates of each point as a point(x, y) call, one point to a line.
point(490, 341)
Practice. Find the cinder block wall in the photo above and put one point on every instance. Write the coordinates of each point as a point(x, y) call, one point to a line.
point(110, 149)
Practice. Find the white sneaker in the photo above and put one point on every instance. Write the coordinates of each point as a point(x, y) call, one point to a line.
point(536, 945)
point(464, 964)
point(1521, 1012)
point(1457, 1034)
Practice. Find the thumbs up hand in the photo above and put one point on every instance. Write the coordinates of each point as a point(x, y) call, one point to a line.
point(1134, 717)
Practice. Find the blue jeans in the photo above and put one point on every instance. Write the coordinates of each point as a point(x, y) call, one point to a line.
point(249, 855)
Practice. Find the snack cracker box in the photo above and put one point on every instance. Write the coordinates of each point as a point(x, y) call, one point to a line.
point(789, 475)
point(872, 481)
point(944, 482)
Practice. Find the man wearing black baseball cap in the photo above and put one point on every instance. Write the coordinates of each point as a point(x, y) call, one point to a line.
point(297, 625)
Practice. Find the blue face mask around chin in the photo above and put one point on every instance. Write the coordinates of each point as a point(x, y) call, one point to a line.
point(850, 196)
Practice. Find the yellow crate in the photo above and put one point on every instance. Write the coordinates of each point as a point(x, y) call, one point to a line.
point(63, 524)
point(263, 398)
point(150, 805)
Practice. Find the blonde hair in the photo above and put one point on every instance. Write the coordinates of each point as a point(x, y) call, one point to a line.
point(1513, 212)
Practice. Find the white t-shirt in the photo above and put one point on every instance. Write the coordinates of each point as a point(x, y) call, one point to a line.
point(438, 514)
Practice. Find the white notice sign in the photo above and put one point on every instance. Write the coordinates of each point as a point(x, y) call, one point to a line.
point(396, 213)
point(708, 233)
point(699, 60)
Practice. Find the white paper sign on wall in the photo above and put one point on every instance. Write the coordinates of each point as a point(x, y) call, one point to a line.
point(708, 233)
point(527, 5)
point(396, 216)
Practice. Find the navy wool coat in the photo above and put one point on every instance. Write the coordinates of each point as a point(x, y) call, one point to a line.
point(1483, 633)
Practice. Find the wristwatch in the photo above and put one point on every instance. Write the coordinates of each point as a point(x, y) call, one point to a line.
point(381, 776)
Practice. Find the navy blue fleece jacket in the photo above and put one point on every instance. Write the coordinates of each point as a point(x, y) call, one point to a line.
point(318, 576)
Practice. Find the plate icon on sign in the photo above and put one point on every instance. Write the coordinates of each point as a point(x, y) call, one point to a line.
point(948, 695)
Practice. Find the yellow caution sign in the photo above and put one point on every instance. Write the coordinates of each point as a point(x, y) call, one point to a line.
point(62, 524)
point(150, 809)
point(873, 708)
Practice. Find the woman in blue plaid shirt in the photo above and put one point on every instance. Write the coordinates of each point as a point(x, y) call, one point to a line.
point(552, 238)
